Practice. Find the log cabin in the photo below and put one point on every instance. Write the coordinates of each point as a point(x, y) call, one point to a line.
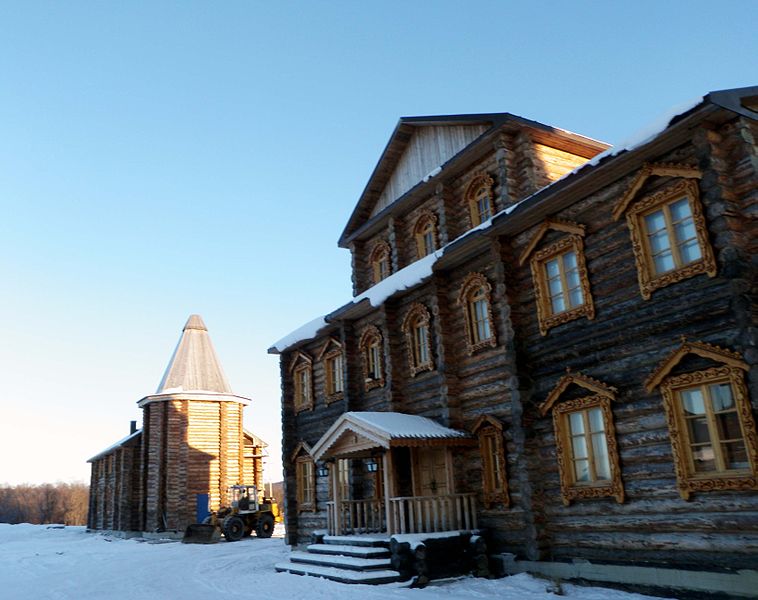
point(191, 448)
point(550, 340)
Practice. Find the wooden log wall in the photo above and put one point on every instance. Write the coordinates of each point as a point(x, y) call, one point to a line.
point(112, 501)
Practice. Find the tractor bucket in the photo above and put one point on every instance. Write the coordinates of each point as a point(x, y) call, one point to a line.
point(201, 533)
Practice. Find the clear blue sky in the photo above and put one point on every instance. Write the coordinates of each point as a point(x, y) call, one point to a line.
point(164, 158)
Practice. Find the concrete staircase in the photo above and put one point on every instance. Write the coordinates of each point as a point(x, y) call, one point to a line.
point(347, 559)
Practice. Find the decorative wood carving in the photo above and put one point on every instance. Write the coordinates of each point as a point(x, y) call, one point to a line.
point(647, 170)
point(427, 217)
point(480, 180)
point(555, 224)
point(301, 367)
point(545, 315)
point(486, 427)
point(370, 336)
point(330, 351)
point(418, 314)
point(688, 480)
point(710, 351)
point(648, 280)
point(583, 381)
point(471, 284)
point(570, 490)
point(379, 253)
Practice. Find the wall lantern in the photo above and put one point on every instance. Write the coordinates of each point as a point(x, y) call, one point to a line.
point(322, 470)
point(371, 465)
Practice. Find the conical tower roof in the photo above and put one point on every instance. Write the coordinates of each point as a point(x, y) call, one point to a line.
point(194, 367)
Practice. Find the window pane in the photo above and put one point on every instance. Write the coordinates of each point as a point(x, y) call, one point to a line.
point(579, 446)
point(558, 304)
point(663, 262)
point(690, 252)
point(721, 395)
point(699, 430)
point(600, 451)
point(680, 210)
point(596, 420)
point(735, 455)
point(692, 401)
point(659, 241)
point(655, 222)
point(554, 286)
point(729, 426)
point(575, 297)
point(582, 470)
point(572, 278)
point(552, 269)
point(576, 423)
point(685, 230)
point(704, 458)
point(569, 260)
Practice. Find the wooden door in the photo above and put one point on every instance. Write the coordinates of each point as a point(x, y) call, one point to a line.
point(432, 472)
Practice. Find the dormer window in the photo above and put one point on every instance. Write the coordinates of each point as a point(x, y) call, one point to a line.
point(479, 199)
point(425, 234)
point(380, 262)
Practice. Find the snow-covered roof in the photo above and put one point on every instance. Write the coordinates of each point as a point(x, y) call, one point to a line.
point(384, 430)
point(194, 366)
point(118, 444)
point(417, 272)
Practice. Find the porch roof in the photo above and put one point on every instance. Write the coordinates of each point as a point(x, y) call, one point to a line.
point(358, 431)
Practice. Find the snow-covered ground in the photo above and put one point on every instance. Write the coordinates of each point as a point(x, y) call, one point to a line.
point(40, 563)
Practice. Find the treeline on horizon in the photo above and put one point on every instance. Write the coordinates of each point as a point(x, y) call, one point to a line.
point(64, 503)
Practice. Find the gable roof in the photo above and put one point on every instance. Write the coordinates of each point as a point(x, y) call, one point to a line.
point(194, 366)
point(122, 442)
point(385, 430)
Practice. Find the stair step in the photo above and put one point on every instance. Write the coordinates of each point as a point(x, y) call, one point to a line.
point(340, 575)
point(358, 540)
point(347, 550)
point(339, 561)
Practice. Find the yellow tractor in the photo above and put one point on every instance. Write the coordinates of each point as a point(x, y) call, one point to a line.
point(246, 514)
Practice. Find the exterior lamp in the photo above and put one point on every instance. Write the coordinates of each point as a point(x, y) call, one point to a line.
point(371, 465)
point(322, 470)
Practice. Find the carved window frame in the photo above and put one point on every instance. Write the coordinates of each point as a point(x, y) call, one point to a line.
point(602, 397)
point(482, 184)
point(732, 370)
point(489, 432)
point(301, 369)
point(332, 351)
point(381, 254)
point(372, 338)
point(472, 284)
point(545, 315)
point(648, 280)
point(425, 220)
point(418, 314)
point(305, 473)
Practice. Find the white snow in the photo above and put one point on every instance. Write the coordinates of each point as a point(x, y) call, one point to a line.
point(306, 332)
point(403, 279)
point(399, 425)
point(433, 173)
point(116, 445)
point(68, 563)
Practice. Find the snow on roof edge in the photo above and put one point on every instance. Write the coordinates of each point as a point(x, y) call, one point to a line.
point(116, 445)
point(378, 293)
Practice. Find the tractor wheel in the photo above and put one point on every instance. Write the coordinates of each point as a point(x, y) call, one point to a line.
point(234, 529)
point(265, 526)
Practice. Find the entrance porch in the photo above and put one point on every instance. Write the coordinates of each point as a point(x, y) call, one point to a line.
point(393, 473)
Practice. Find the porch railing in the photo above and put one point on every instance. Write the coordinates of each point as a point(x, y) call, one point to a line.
point(428, 514)
point(356, 516)
point(409, 514)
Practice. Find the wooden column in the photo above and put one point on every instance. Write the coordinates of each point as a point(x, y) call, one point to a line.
point(389, 489)
point(334, 474)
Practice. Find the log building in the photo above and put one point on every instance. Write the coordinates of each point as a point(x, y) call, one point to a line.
point(549, 339)
point(192, 446)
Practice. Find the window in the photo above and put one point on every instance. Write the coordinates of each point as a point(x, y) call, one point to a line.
point(343, 478)
point(669, 233)
point(332, 358)
point(475, 300)
point(713, 434)
point(417, 337)
point(585, 441)
point(494, 480)
point(306, 484)
point(425, 233)
point(479, 199)
point(380, 262)
point(301, 368)
point(371, 351)
point(559, 273)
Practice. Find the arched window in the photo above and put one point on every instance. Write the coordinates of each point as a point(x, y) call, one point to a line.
point(474, 298)
point(334, 371)
point(418, 339)
point(713, 434)
point(380, 262)
point(425, 234)
point(301, 369)
point(372, 354)
point(479, 199)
